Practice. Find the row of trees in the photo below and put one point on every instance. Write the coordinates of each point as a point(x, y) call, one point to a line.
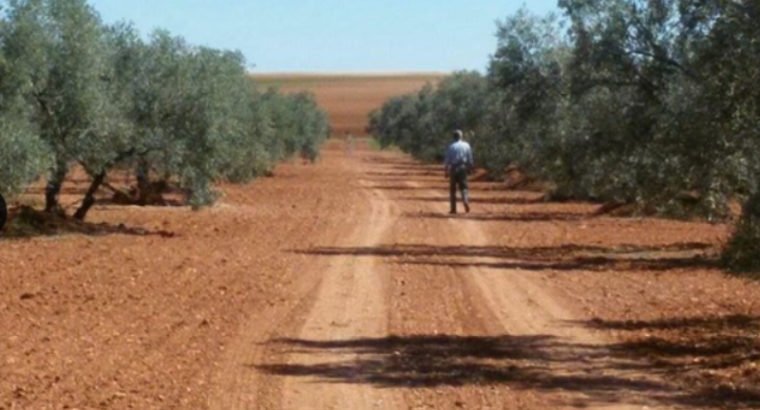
point(653, 103)
point(77, 92)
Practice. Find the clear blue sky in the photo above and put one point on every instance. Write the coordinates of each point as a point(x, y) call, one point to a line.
point(332, 35)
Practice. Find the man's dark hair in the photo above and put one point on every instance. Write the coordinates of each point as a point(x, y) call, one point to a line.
point(458, 135)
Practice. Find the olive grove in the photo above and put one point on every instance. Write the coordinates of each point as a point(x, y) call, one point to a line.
point(75, 92)
point(651, 103)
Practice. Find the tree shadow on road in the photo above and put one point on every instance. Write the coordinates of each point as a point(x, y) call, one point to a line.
point(405, 175)
point(601, 374)
point(717, 355)
point(559, 258)
point(504, 216)
point(496, 200)
point(396, 164)
point(398, 187)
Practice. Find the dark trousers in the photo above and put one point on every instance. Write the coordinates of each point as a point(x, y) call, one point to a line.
point(458, 179)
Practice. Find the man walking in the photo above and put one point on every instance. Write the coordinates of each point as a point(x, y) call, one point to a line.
point(457, 165)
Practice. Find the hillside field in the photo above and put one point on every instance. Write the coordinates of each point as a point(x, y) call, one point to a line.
point(349, 98)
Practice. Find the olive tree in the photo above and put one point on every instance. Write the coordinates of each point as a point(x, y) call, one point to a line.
point(731, 58)
point(395, 122)
point(421, 123)
point(23, 155)
point(526, 76)
point(298, 123)
point(74, 92)
point(57, 52)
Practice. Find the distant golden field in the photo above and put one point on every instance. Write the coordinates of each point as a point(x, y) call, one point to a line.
point(348, 99)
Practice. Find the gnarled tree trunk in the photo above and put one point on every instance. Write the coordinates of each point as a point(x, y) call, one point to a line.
point(53, 187)
point(89, 197)
point(3, 212)
point(143, 182)
point(742, 254)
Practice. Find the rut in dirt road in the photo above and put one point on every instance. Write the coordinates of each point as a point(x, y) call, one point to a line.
point(350, 303)
point(410, 309)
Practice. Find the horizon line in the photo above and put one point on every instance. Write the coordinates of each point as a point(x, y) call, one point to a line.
point(368, 73)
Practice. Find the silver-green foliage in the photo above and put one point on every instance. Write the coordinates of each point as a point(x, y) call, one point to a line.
point(74, 91)
point(422, 123)
point(647, 102)
point(742, 253)
point(23, 156)
point(57, 58)
point(199, 117)
point(299, 126)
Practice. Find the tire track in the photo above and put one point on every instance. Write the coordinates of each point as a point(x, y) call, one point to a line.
point(524, 307)
point(379, 316)
point(321, 299)
point(237, 385)
point(350, 304)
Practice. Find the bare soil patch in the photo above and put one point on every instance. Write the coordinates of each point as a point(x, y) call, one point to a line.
point(348, 99)
point(345, 284)
point(124, 317)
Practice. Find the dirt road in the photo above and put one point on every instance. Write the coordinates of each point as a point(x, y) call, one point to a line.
point(347, 285)
point(410, 308)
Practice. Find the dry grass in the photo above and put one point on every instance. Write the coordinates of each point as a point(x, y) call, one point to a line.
point(348, 99)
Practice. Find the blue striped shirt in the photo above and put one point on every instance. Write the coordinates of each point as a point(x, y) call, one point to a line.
point(459, 153)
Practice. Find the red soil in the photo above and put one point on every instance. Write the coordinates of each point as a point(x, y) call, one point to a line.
point(346, 285)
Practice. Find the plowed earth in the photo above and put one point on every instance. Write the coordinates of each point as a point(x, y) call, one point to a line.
point(348, 99)
point(346, 285)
